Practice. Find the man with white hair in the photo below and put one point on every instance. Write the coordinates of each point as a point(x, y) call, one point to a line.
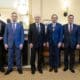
point(36, 40)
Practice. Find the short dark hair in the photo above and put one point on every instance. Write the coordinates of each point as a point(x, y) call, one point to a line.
point(71, 15)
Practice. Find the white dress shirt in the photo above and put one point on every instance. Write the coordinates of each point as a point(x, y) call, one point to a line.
point(70, 29)
point(38, 26)
point(14, 25)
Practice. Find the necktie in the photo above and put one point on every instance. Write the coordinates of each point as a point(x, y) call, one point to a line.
point(38, 27)
point(54, 25)
point(0, 26)
point(70, 28)
point(13, 26)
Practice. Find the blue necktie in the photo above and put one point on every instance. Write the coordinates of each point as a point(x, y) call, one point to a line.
point(13, 27)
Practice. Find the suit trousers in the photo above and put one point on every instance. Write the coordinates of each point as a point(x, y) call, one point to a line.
point(39, 53)
point(69, 57)
point(11, 52)
point(2, 60)
point(54, 54)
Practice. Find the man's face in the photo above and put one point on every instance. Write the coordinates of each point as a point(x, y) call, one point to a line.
point(14, 17)
point(37, 19)
point(54, 18)
point(71, 19)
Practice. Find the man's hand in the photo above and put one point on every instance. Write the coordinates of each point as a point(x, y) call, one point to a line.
point(21, 46)
point(6, 46)
point(47, 44)
point(59, 44)
point(44, 44)
point(62, 45)
point(31, 45)
point(1, 38)
point(77, 46)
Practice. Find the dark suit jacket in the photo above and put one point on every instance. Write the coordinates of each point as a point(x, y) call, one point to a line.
point(56, 36)
point(70, 38)
point(35, 37)
point(11, 37)
point(2, 28)
point(78, 34)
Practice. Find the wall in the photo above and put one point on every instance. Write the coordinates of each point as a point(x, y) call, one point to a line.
point(45, 8)
point(48, 7)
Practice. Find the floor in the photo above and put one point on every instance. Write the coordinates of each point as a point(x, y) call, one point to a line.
point(45, 76)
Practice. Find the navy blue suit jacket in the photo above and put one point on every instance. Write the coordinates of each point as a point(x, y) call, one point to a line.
point(16, 37)
point(54, 36)
point(73, 40)
point(78, 34)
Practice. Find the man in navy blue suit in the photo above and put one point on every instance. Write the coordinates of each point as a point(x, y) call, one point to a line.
point(78, 46)
point(70, 43)
point(54, 38)
point(37, 41)
point(13, 42)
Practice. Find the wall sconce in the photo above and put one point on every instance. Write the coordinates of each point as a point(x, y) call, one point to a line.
point(66, 8)
point(65, 14)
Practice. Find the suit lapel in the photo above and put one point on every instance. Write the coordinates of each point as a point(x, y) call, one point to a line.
point(16, 26)
point(35, 27)
point(41, 27)
point(67, 28)
point(73, 28)
point(53, 28)
point(11, 27)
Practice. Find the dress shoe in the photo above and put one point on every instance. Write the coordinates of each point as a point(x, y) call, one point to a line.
point(51, 69)
point(2, 69)
point(33, 72)
point(72, 70)
point(20, 71)
point(8, 72)
point(65, 69)
point(40, 71)
point(55, 70)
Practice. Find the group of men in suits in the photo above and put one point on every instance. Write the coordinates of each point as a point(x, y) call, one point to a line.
point(57, 36)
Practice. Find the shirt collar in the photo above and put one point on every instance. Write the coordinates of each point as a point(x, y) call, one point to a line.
point(53, 24)
point(70, 24)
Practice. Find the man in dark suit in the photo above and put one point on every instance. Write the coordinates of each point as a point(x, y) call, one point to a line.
point(2, 29)
point(36, 40)
point(54, 38)
point(13, 41)
point(70, 43)
point(78, 43)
